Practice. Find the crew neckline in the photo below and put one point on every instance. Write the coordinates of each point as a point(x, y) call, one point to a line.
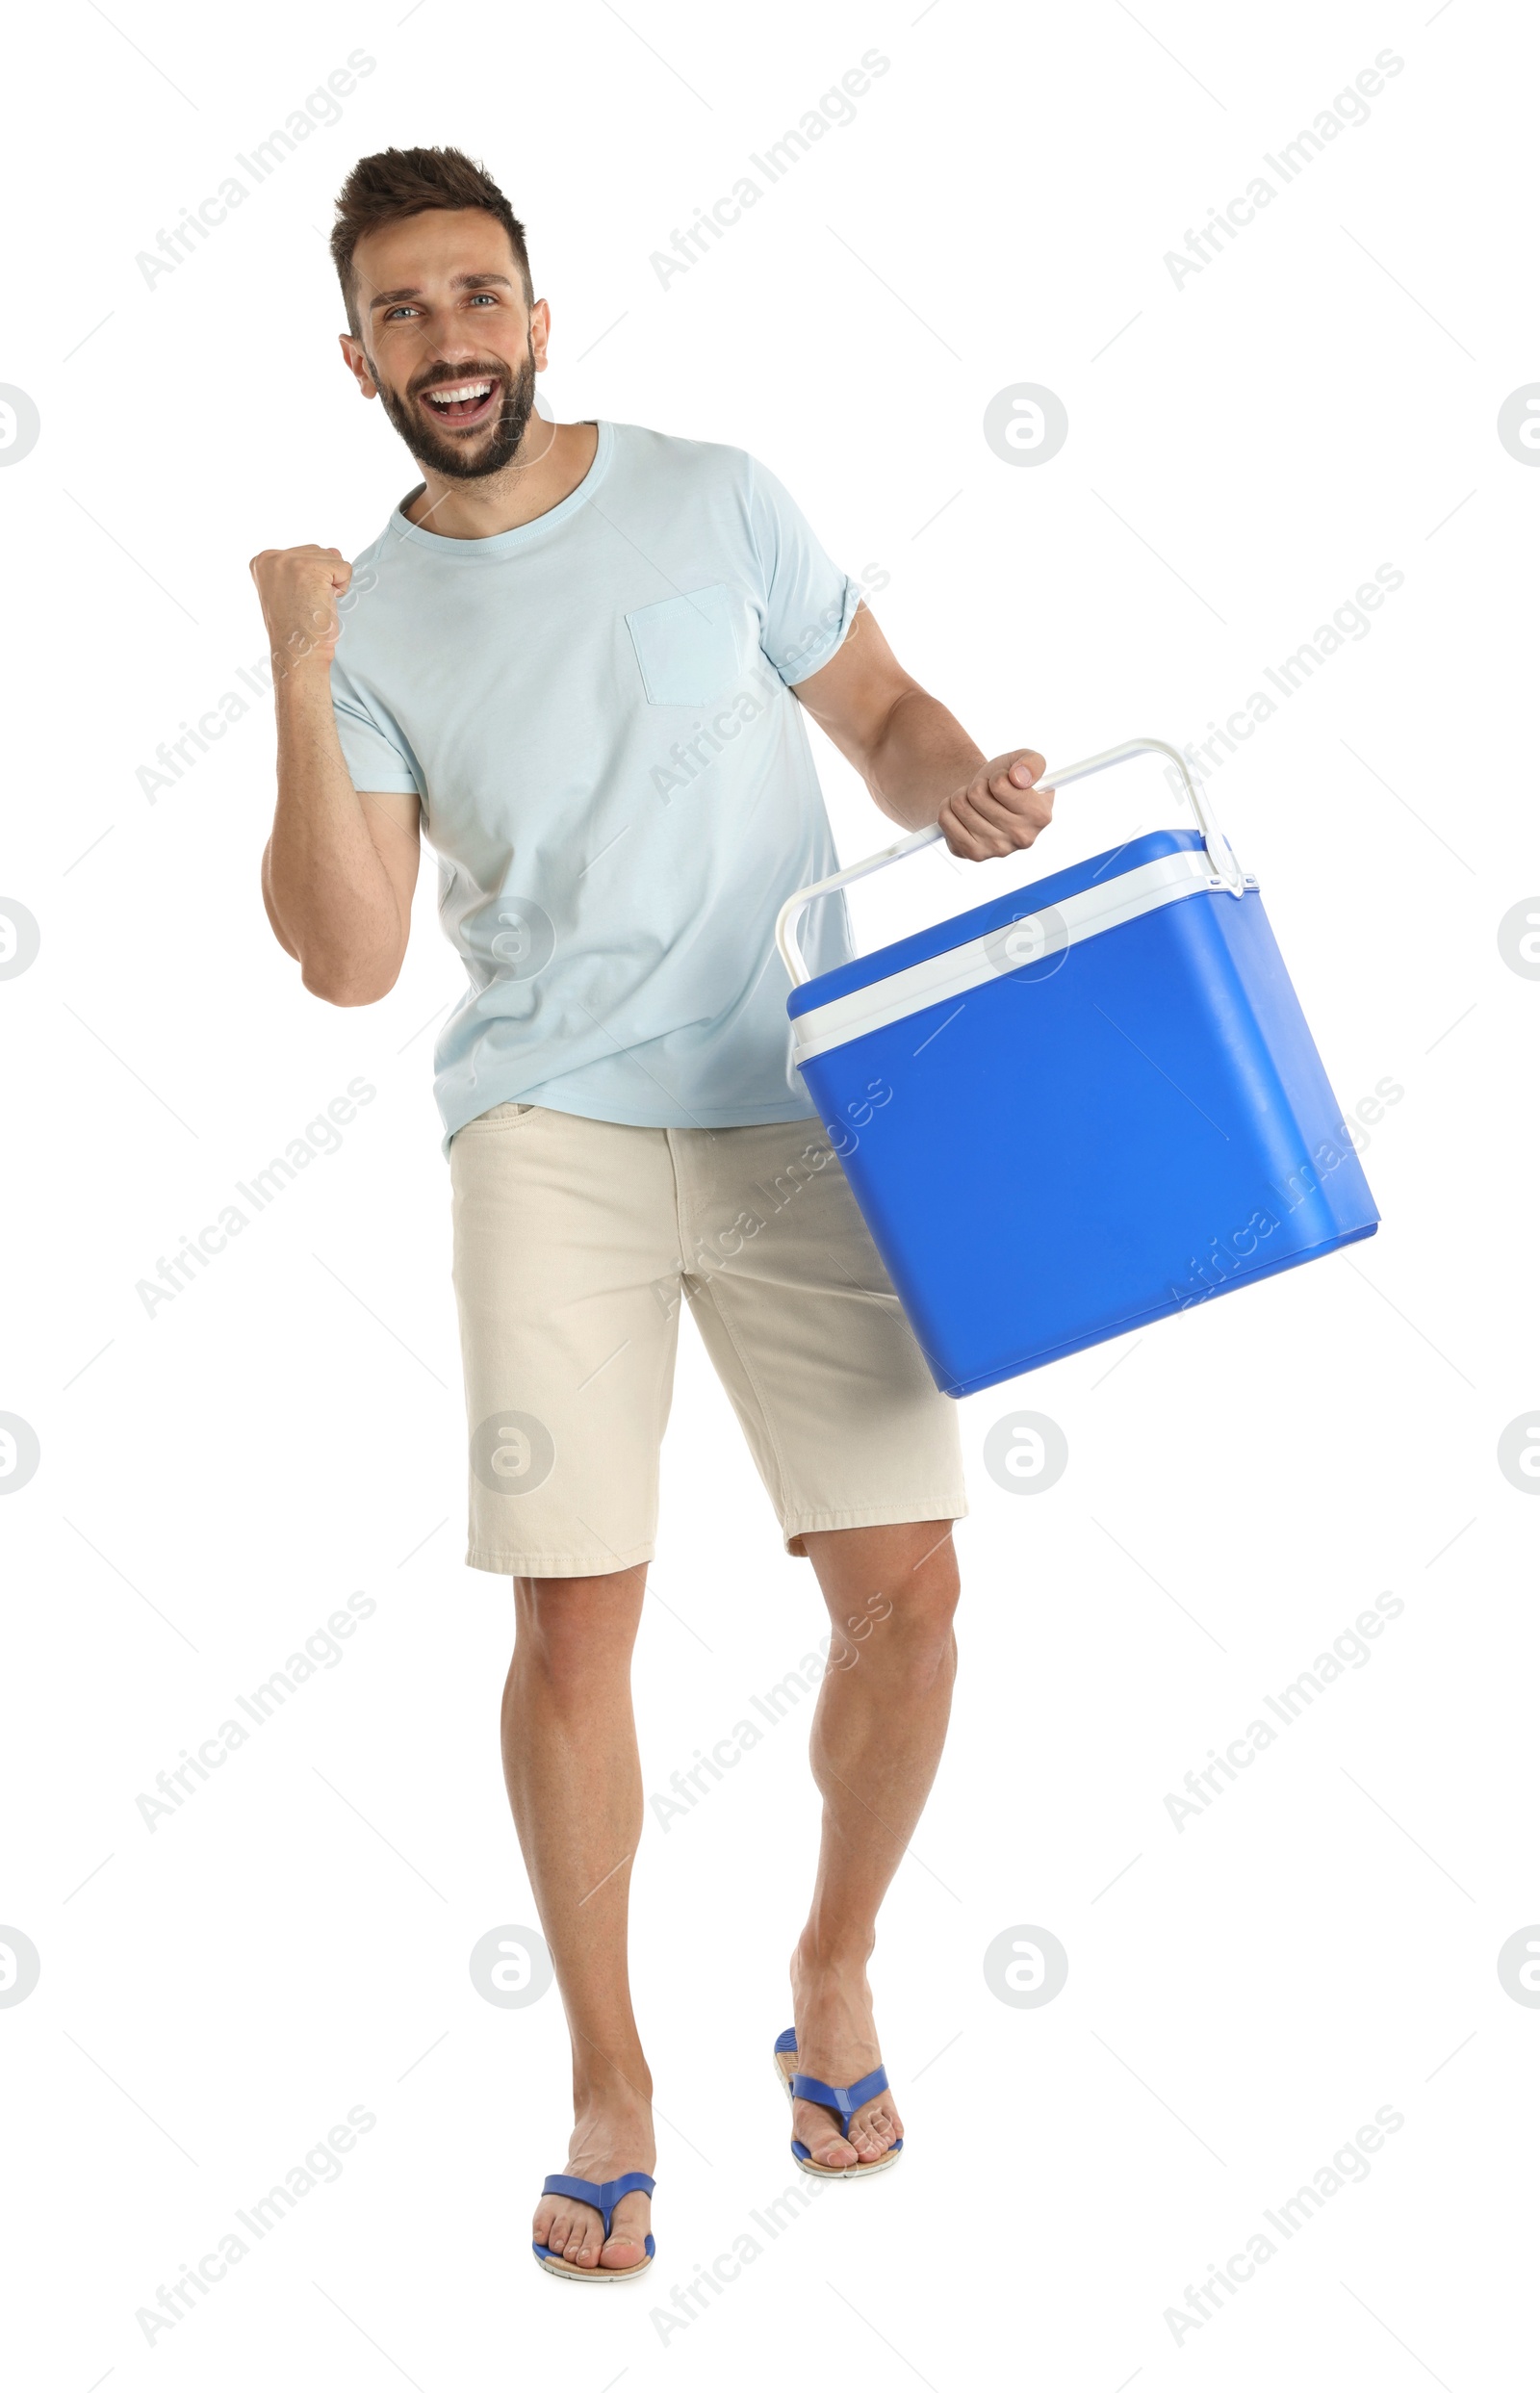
point(498, 544)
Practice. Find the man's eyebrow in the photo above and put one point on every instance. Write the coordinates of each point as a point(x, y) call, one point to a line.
point(457, 282)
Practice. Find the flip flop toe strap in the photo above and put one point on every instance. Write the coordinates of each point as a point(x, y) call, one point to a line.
point(845, 2099)
point(602, 2198)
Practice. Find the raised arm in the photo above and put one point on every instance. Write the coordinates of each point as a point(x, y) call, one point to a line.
point(340, 868)
point(916, 758)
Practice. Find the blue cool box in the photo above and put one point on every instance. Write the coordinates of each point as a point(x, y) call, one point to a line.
point(1086, 1104)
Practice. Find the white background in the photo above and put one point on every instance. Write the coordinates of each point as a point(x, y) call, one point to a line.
point(1244, 450)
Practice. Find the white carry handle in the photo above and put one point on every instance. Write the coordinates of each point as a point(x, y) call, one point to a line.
point(1228, 873)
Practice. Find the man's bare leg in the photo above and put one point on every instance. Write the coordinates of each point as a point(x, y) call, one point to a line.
point(877, 1738)
point(574, 1781)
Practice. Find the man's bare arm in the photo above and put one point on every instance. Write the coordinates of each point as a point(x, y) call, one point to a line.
point(278, 932)
point(340, 868)
point(916, 758)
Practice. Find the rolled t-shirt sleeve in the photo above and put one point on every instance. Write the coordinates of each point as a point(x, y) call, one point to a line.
point(809, 603)
point(374, 748)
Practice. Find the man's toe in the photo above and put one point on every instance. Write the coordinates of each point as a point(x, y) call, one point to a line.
point(627, 2248)
point(874, 2133)
point(819, 2132)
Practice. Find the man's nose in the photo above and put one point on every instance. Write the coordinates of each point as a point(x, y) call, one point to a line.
point(451, 337)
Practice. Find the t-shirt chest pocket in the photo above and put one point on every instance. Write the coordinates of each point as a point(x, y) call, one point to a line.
point(686, 647)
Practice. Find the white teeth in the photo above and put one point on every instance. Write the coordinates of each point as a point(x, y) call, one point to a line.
point(462, 390)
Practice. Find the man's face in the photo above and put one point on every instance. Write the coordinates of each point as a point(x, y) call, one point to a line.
point(447, 339)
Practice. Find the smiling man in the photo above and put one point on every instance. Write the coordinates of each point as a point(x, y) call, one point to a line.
point(579, 656)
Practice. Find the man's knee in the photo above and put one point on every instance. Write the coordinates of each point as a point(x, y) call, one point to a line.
point(575, 1630)
point(902, 1612)
point(923, 1614)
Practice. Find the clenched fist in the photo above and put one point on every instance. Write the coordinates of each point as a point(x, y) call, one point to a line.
point(1000, 810)
point(299, 589)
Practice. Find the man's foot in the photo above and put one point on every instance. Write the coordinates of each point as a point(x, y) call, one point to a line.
point(606, 2144)
point(837, 2040)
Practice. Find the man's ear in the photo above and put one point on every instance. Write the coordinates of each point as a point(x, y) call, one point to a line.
point(540, 332)
point(358, 364)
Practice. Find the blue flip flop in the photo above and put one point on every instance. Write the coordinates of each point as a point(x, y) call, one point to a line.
point(845, 2099)
point(602, 2199)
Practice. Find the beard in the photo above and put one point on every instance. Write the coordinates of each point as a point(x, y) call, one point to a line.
point(467, 462)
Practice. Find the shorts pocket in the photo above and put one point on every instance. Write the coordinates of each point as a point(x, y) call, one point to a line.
point(499, 1118)
point(686, 647)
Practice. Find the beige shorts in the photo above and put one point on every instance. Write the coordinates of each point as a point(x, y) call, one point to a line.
point(574, 1241)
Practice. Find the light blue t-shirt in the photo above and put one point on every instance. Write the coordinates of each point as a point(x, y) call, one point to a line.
point(596, 712)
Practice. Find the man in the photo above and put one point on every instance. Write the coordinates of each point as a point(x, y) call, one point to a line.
point(579, 653)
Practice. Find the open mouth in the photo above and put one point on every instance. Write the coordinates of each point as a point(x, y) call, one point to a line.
point(463, 403)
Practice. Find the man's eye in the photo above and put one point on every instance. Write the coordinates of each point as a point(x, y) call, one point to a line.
point(480, 298)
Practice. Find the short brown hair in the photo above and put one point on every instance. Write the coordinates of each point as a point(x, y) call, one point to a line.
point(397, 182)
